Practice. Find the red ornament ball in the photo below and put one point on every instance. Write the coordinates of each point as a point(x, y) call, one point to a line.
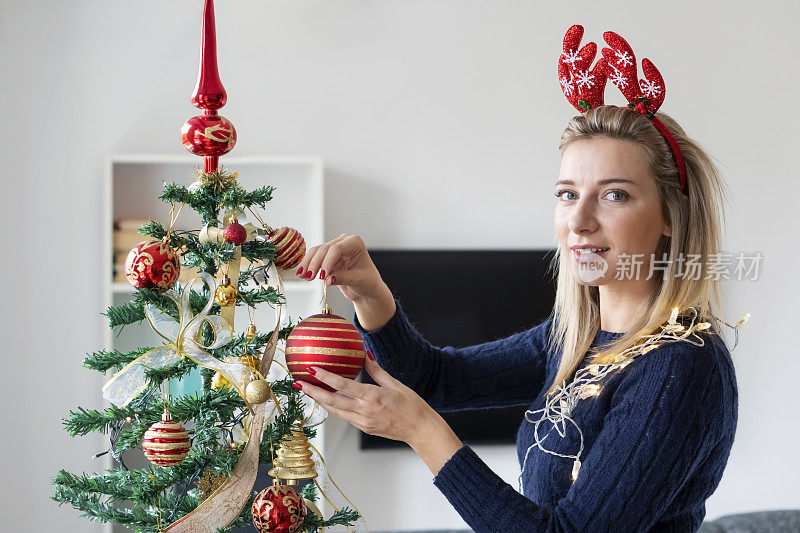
point(328, 341)
point(208, 135)
point(290, 247)
point(235, 233)
point(153, 265)
point(278, 509)
point(166, 443)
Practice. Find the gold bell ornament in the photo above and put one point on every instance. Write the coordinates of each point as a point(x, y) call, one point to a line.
point(293, 461)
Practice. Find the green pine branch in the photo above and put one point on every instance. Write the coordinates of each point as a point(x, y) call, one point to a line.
point(105, 360)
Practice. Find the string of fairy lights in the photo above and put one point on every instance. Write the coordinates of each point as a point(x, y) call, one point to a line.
point(560, 404)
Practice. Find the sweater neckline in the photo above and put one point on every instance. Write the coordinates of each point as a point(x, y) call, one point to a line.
point(607, 335)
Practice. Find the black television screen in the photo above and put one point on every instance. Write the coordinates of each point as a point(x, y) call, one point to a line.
point(465, 297)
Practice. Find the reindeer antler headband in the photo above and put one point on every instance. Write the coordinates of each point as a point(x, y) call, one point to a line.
point(584, 88)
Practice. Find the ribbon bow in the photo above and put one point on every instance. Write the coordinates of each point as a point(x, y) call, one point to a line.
point(183, 340)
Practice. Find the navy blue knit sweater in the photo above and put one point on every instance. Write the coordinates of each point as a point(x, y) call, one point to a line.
point(656, 438)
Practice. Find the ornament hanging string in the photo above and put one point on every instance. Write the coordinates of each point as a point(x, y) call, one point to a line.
point(173, 218)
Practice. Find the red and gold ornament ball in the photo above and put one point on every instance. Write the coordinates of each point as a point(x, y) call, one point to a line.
point(235, 233)
point(166, 443)
point(153, 265)
point(208, 135)
point(278, 509)
point(328, 341)
point(290, 247)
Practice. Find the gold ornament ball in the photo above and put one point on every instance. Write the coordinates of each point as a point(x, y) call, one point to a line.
point(251, 331)
point(225, 295)
point(257, 391)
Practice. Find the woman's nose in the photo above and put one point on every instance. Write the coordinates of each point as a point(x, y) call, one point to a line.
point(582, 219)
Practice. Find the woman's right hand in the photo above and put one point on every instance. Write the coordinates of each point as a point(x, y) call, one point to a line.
point(345, 262)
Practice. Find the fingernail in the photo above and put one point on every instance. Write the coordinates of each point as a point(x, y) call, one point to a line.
point(321, 274)
point(299, 271)
point(331, 280)
point(312, 371)
point(297, 386)
point(369, 354)
point(310, 274)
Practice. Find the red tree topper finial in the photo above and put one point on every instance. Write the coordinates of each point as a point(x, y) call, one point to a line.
point(209, 135)
point(583, 88)
point(209, 92)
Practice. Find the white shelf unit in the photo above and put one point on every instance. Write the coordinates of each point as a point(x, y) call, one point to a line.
point(133, 184)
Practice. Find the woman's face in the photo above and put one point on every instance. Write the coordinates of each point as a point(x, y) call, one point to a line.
point(607, 198)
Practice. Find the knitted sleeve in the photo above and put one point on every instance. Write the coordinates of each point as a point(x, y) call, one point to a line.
point(500, 373)
point(665, 419)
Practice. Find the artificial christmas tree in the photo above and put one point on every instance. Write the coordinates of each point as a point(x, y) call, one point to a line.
point(205, 448)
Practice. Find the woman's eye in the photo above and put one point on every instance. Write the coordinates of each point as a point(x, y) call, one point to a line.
point(560, 193)
point(620, 195)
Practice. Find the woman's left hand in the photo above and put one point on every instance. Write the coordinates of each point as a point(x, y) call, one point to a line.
point(388, 409)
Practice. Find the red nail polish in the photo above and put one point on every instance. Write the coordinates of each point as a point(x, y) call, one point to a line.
point(369, 354)
point(299, 271)
point(321, 274)
point(310, 274)
point(297, 386)
point(331, 280)
point(311, 371)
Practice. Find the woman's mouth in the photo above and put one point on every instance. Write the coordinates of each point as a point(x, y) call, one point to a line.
point(588, 254)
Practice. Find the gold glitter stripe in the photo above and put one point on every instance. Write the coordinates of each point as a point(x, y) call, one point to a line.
point(331, 339)
point(327, 327)
point(310, 350)
point(315, 363)
point(162, 446)
point(293, 246)
point(328, 320)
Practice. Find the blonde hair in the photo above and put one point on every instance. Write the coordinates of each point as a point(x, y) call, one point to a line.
point(696, 225)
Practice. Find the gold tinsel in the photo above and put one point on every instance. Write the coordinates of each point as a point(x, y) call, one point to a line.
point(219, 180)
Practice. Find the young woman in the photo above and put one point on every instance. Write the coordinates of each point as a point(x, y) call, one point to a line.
point(623, 433)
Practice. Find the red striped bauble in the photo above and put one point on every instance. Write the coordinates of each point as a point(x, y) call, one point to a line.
point(166, 443)
point(328, 341)
point(290, 247)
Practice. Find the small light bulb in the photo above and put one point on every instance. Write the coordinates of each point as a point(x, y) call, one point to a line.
point(576, 466)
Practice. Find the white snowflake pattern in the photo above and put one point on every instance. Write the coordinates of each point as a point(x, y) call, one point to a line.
point(618, 79)
point(571, 57)
point(567, 86)
point(649, 88)
point(623, 58)
point(584, 78)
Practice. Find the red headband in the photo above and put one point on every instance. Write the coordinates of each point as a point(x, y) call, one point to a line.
point(584, 88)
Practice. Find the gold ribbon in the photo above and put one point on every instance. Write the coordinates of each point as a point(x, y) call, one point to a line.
point(182, 338)
point(226, 503)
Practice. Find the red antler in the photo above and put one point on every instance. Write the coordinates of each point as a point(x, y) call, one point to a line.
point(583, 89)
point(621, 69)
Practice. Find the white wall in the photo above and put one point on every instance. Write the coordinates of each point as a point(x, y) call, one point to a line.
point(426, 113)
